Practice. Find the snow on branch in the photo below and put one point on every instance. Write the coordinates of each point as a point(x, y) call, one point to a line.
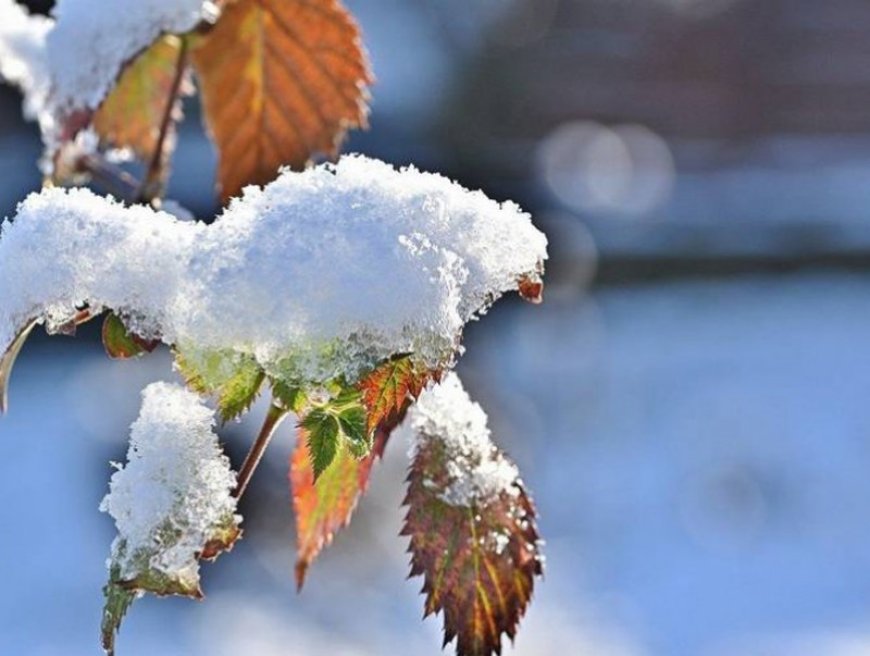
point(319, 274)
point(173, 497)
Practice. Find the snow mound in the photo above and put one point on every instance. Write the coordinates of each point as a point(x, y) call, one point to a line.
point(319, 274)
point(477, 471)
point(174, 494)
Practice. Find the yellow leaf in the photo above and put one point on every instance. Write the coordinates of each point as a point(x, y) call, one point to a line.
point(282, 81)
point(133, 113)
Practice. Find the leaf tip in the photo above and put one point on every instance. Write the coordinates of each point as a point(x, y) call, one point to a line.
point(301, 570)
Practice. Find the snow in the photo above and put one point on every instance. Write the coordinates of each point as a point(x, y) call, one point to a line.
point(319, 274)
point(68, 63)
point(478, 472)
point(22, 54)
point(177, 482)
point(91, 43)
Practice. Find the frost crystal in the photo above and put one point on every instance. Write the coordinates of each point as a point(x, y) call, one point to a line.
point(319, 274)
point(68, 63)
point(477, 471)
point(174, 495)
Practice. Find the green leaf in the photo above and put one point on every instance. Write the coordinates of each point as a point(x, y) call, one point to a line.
point(118, 602)
point(352, 421)
point(120, 592)
point(290, 397)
point(120, 343)
point(8, 361)
point(234, 379)
point(323, 433)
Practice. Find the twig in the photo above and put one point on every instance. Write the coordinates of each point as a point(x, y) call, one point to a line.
point(153, 181)
point(273, 419)
point(115, 180)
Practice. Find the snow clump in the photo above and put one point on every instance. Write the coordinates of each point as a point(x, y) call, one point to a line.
point(477, 472)
point(320, 274)
point(174, 495)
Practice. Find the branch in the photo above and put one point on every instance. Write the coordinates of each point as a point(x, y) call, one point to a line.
point(273, 419)
point(152, 184)
point(115, 180)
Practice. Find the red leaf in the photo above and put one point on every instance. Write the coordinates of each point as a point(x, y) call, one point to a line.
point(325, 507)
point(479, 562)
point(531, 288)
point(391, 388)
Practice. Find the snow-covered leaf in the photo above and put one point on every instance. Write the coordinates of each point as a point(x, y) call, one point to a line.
point(470, 521)
point(322, 275)
point(282, 80)
point(172, 502)
point(68, 64)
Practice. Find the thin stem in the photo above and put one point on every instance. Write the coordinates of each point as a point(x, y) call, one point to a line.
point(273, 419)
point(151, 185)
point(115, 180)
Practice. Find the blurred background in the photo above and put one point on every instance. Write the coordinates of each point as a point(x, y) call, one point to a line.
point(690, 404)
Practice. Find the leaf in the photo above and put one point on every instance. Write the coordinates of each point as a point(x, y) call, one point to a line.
point(121, 344)
point(132, 115)
point(322, 431)
point(120, 593)
point(289, 397)
point(479, 561)
point(324, 507)
point(118, 602)
point(234, 379)
point(389, 389)
point(352, 421)
point(8, 361)
point(281, 80)
point(531, 289)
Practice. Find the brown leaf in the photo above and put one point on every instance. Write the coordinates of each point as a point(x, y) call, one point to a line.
point(390, 388)
point(479, 562)
point(282, 80)
point(531, 288)
point(132, 115)
point(325, 507)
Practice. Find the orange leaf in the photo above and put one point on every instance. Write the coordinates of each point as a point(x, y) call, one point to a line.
point(132, 114)
point(325, 507)
point(479, 562)
point(531, 289)
point(390, 388)
point(282, 80)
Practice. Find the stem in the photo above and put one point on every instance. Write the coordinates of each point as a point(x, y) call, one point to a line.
point(151, 185)
point(115, 180)
point(274, 418)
